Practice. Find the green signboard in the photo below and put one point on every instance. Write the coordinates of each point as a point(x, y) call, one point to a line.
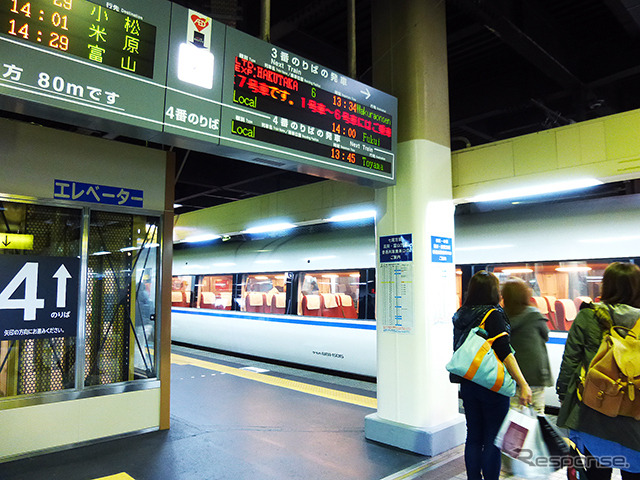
point(155, 70)
point(94, 62)
point(283, 106)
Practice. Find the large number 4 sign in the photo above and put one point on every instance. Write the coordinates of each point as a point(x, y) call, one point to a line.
point(38, 296)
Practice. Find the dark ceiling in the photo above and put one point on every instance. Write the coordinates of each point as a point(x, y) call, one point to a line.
point(515, 67)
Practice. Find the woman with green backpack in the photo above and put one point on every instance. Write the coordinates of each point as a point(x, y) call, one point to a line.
point(606, 441)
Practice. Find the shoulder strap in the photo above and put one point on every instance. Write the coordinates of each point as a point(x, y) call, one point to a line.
point(485, 318)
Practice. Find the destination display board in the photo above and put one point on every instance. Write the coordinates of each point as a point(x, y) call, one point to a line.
point(180, 78)
point(93, 58)
point(281, 105)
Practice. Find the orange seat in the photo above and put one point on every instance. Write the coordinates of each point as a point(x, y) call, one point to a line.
point(207, 300)
point(279, 303)
point(565, 313)
point(178, 299)
point(551, 308)
point(255, 302)
point(541, 304)
point(348, 308)
point(330, 306)
point(580, 300)
point(311, 306)
point(224, 302)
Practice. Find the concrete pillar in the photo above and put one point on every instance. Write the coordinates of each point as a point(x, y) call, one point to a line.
point(417, 406)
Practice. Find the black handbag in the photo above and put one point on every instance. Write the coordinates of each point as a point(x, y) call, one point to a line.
point(552, 437)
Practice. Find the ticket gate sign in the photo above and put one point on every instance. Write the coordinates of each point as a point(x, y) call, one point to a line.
point(38, 296)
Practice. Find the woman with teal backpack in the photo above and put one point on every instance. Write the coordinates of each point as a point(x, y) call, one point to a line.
point(484, 409)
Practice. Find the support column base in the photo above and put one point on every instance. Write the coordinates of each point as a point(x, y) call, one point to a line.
point(430, 442)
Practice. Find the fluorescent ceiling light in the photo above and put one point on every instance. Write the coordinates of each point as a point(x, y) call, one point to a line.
point(537, 190)
point(573, 269)
point(483, 247)
point(177, 205)
point(201, 238)
point(621, 238)
point(350, 217)
point(274, 227)
point(511, 271)
point(101, 253)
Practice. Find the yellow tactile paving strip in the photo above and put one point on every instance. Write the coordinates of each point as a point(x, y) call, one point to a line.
point(117, 476)
point(351, 398)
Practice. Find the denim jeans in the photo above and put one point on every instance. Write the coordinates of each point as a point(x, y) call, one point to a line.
point(484, 410)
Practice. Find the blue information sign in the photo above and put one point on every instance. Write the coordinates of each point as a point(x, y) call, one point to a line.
point(92, 193)
point(441, 250)
point(396, 248)
point(38, 297)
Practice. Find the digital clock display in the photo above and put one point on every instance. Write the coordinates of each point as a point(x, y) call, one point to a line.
point(84, 29)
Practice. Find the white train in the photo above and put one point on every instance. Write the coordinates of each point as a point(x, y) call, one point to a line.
point(308, 297)
point(305, 298)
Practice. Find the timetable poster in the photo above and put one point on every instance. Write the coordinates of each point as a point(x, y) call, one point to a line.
point(280, 105)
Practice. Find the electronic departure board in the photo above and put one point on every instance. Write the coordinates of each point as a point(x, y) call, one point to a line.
point(84, 29)
point(284, 106)
point(95, 64)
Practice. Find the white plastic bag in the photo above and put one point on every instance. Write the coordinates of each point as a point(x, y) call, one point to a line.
point(520, 438)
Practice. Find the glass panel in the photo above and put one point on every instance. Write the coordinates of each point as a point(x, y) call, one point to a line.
point(38, 365)
point(329, 294)
point(215, 291)
point(559, 288)
point(263, 293)
point(181, 291)
point(121, 298)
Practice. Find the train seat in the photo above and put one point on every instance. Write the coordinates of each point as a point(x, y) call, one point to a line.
point(551, 308)
point(256, 302)
point(346, 303)
point(224, 302)
point(580, 300)
point(330, 307)
point(565, 313)
point(311, 305)
point(279, 303)
point(207, 300)
point(177, 299)
point(541, 304)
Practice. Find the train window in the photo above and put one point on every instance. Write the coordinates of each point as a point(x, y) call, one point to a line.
point(181, 291)
point(329, 294)
point(263, 293)
point(215, 291)
point(559, 288)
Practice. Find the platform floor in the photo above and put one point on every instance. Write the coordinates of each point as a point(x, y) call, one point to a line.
point(238, 419)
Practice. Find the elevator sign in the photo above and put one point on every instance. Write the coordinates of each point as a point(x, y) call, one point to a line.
point(38, 297)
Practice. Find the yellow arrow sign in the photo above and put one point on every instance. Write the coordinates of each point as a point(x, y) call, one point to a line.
point(16, 241)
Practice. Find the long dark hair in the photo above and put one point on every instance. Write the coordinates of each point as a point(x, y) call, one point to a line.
point(484, 289)
point(621, 284)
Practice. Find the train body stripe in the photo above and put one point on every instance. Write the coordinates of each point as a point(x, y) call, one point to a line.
point(276, 318)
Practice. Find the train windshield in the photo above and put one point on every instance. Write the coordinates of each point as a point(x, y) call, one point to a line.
point(329, 294)
point(263, 293)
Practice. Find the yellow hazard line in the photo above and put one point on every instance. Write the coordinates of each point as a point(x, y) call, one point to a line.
point(117, 476)
point(351, 398)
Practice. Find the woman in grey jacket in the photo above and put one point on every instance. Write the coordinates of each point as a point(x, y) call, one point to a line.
point(529, 335)
point(605, 441)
